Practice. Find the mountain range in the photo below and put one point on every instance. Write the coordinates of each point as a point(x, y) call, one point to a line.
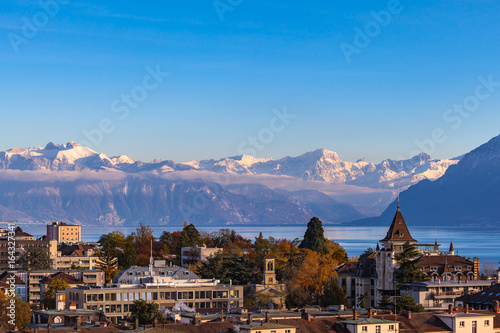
point(76, 184)
point(468, 194)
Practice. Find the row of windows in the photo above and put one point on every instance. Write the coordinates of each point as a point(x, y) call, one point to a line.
point(378, 328)
point(474, 323)
point(117, 308)
point(154, 296)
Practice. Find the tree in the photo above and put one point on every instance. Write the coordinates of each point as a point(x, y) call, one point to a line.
point(406, 303)
point(35, 259)
point(146, 312)
point(49, 296)
point(408, 271)
point(314, 238)
point(489, 268)
point(240, 269)
point(23, 313)
point(361, 300)
point(316, 273)
point(367, 252)
point(18, 229)
point(386, 302)
point(190, 236)
point(333, 295)
point(108, 262)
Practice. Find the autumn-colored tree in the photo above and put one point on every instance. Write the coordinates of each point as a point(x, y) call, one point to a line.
point(49, 296)
point(316, 273)
point(22, 310)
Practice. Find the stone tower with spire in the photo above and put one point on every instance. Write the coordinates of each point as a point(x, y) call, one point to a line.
point(392, 244)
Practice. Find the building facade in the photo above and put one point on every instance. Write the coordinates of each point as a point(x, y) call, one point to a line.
point(195, 254)
point(117, 300)
point(24, 242)
point(64, 233)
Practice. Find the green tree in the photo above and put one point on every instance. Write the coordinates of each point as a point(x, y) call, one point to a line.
point(261, 245)
point(368, 252)
point(190, 236)
point(408, 271)
point(18, 229)
point(108, 262)
point(386, 302)
point(362, 300)
point(333, 295)
point(49, 296)
point(35, 259)
point(166, 239)
point(146, 312)
point(406, 303)
point(240, 269)
point(314, 238)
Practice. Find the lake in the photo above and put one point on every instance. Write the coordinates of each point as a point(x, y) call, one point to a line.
point(481, 242)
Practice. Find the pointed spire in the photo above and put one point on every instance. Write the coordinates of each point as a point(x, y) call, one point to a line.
point(452, 248)
point(398, 230)
point(378, 247)
point(398, 196)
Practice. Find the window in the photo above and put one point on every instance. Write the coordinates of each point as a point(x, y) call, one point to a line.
point(377, 329)
point(462, 324)
point(486, 323)
point(391, 327)
point(364, 328)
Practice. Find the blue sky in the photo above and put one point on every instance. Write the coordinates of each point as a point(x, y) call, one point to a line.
point(227, 76)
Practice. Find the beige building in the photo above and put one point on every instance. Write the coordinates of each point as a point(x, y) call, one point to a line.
point(33, 279)
point(370, 324)
point(24, 242)
point(469, 322)
point(64, 233)
point(267, 328)
point(117, 300)
point(76, 256)
point(439, 295)
point(192, 255)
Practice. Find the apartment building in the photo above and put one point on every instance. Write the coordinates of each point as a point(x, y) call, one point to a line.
point(24, 242)
point(33, 280)
point(117, 300)
point(64, 233)
point(79, 256)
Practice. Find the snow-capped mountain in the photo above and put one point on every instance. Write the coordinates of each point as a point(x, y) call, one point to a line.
point(77, 184)
point(318, 165)
point(467, 194)
point(72, 156)
point(325, 165)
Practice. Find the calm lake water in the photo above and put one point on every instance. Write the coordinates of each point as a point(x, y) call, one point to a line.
point(481, 242)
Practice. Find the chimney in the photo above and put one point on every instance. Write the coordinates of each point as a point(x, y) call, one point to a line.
point(370, 313)
point(467, 308)
point(267, 317)
point(408, 314)
point(450, 309)
point(79, 324)
point(197, 319)
point(354, 313)
point(249, 321)
point(497, 307)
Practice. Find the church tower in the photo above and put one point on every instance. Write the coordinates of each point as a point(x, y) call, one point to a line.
point(269, 270)
point(392, 245)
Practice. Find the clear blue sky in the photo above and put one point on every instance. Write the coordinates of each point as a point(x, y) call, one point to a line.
point(226, 77)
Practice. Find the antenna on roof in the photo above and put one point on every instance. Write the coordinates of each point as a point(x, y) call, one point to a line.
point(398, 194)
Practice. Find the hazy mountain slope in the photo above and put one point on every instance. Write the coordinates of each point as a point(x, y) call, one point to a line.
point(468, 193)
